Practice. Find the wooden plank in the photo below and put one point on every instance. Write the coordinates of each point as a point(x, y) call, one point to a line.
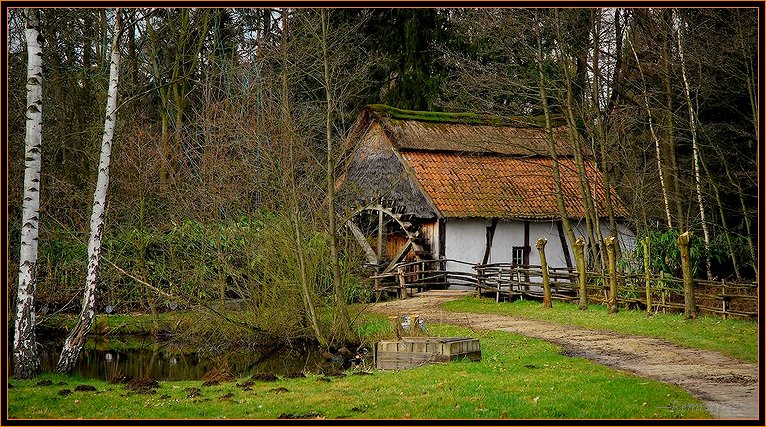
point(359, 236)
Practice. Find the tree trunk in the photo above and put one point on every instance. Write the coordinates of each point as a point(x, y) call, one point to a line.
point(295, 211)
point(690, 306)
point(591, 216)
point(648, 110)
point(612, 275)
point(25, 360)
point(76, 339)
point(340, 298)
point(600, 128)
point(551, 146)
point(579, 246)
point(669, 125)
point(544, 266)
point(695, 149)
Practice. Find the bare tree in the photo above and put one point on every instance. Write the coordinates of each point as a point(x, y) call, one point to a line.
point(648, 110)
point(695, 148)
point(26, 362)
point(76, 338)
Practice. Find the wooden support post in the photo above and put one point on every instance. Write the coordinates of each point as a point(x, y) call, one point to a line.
point(723, 298)
point(546, 278)
point(579, 246)
point(380, 231)
point(612, 274)
point(690, 306)
point(402, 282)
point(647, 276)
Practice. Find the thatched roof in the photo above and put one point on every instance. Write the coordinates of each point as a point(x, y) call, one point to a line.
point(472, 133)
point(466, 165)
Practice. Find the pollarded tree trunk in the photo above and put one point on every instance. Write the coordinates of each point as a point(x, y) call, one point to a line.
point(76, 339)
point(26, 362)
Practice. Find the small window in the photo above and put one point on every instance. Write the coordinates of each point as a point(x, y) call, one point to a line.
point(517, 255)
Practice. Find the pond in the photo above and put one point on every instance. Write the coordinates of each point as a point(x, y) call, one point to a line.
point(143, 356)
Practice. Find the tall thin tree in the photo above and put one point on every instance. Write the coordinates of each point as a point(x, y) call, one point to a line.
point(695, 147)
point(340, 301)
point(25, 359)
point(76, 338)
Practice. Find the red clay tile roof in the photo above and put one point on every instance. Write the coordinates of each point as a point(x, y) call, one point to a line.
point(462, 185)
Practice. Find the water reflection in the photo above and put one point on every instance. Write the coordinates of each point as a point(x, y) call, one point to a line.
point(144, 357)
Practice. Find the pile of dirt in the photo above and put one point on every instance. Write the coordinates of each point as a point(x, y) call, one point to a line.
point(210, 383)
point(142, 385)
point(265, 376)
point(219, 375)
point(85, 387)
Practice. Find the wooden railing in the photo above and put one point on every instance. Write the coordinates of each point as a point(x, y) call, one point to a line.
point(509, 281)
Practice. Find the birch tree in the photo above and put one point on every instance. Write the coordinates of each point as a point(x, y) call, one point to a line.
point(26, 362)
point(76, 338)
point(695, 148)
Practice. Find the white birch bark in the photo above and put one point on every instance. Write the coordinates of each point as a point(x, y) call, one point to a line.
point(695, 149)
point(654, 136)
point(26, 362)
point(76, 339)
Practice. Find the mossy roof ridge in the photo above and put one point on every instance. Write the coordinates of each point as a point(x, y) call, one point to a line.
point(465, 118)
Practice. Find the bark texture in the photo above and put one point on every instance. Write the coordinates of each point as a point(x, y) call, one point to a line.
point(26, 362)
point(76, 338)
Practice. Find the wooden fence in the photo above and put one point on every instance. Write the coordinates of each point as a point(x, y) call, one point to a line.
point(653, 292)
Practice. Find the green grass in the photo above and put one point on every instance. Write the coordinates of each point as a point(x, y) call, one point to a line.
point(737, 338)
point(517, 377)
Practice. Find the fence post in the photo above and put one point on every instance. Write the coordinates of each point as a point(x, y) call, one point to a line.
point(663, 290)
point(690, 307)
point(647, 276)
point(544, 267)
point(579, 246)
point(612, 274)
point(723, 297)
point(479, 279)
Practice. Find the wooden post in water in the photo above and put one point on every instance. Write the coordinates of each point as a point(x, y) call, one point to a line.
point(612, 274)
point(544, 267)
point(647, 277)
point(579, 246)
point(690, 306)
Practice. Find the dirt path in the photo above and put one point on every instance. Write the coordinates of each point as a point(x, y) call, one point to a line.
point(728, 387)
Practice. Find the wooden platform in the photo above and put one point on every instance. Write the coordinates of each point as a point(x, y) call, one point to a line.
point(410, 352)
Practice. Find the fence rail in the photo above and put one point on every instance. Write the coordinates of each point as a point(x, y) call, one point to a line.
point(509, 281)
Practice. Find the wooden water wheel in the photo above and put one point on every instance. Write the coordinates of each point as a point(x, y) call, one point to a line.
point(378, 226)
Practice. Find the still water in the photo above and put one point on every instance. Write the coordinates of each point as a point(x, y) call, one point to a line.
point(145, 357)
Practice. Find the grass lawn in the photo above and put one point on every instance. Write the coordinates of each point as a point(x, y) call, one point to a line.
point(737, 338)
point(517, 377)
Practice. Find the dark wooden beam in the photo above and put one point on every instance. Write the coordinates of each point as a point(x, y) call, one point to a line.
point(490, 237)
